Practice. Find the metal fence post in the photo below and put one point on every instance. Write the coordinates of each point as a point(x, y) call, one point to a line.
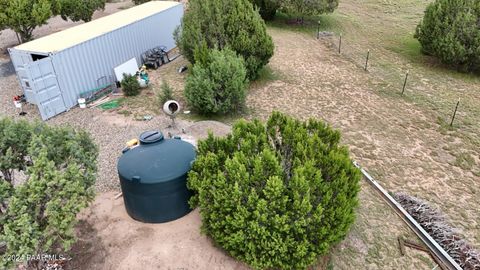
point(455, 112)
point(405, 83)
point(366, 62)
point(340, 45)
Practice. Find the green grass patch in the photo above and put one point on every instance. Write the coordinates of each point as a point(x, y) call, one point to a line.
point(125, 113)
point(228, 119)
point(409, 47)
point(142, 104)
point(325, 22)
point(112, 104)
point(373, 254)
point(266, 75)
point(445, 127)
point(330, 265)
point(459, 75)
point(465, 161)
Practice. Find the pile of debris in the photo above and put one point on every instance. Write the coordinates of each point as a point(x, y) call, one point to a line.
point(435, 223)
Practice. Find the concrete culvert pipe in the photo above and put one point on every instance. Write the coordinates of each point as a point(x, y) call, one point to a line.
point(171, 108)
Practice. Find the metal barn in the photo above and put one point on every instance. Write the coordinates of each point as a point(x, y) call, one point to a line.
point(55, 69)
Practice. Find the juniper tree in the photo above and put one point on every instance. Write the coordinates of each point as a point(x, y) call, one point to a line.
point(79, 10)
point(302, 8)
point(23, 16)
point(165, 94)
point(219, 24)
point(38, 214)
point(218, 82)
point(277, 195)
point(450, 30)
point(139, 2)
point(267, 8)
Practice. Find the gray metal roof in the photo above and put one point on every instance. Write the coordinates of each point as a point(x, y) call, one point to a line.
point(84, 32)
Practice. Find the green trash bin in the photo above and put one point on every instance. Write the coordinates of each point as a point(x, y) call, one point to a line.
point(153, 178)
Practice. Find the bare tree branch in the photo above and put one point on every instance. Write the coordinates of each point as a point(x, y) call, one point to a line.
point(435, 223)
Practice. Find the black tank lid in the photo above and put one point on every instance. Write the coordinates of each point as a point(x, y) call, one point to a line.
point(151, 137)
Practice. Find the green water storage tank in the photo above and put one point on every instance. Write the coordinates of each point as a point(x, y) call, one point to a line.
point(153, 177)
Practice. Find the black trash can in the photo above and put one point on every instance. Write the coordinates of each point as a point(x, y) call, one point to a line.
point(153, 177)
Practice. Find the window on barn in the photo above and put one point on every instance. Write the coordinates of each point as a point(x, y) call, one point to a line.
point(37, 57)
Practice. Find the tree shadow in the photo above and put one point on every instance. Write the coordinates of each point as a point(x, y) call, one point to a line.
point(88, 252)
point(6, 68)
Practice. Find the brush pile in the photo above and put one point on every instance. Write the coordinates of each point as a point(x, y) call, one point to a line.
point(435, 223)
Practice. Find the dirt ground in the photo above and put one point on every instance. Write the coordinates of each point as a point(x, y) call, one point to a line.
point(110, 239)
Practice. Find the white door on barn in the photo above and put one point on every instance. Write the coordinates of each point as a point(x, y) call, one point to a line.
point(20, 60)
point(45, 87)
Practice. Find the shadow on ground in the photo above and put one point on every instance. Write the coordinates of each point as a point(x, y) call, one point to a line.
point(6, 68)
point(88, 252)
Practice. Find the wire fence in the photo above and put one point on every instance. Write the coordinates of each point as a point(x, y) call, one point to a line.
point(398, 80)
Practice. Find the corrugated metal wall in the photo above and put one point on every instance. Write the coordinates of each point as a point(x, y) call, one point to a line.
point(79, 67)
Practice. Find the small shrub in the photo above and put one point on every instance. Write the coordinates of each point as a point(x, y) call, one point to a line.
point(130, 85)
point(139, 2)
point(219, 85)
point(125, 113)
point(220, 24)
point(166, 93)
point(80, 10)
point(38, 214)
point(302, 8)
point(275, 196)
point(450, 30)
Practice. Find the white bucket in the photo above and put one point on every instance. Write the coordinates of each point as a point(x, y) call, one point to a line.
point(18, 104)
point(82, 103)
point(142, 83)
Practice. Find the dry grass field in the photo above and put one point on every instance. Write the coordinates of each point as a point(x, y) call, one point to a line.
point(405, 141)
